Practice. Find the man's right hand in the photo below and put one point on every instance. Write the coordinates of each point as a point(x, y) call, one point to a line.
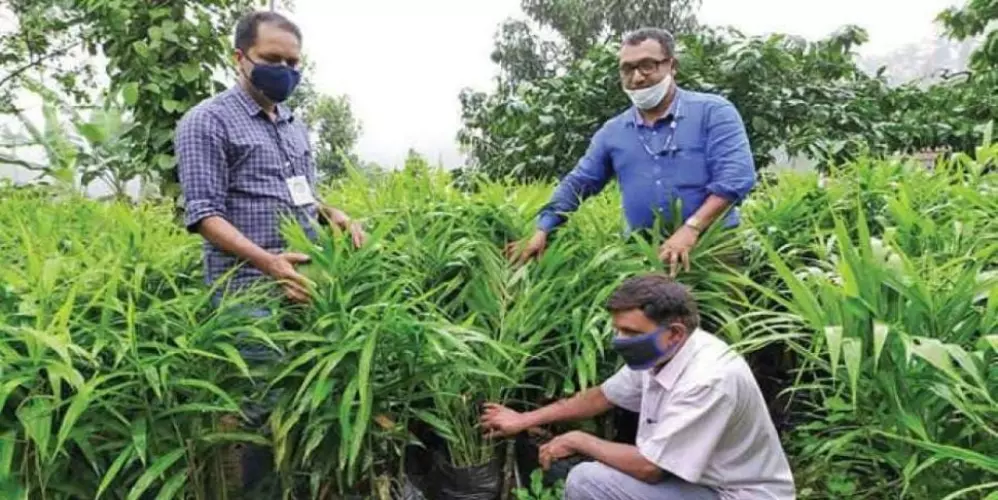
point(500, 421)
point(520, 252)
point(281, 267)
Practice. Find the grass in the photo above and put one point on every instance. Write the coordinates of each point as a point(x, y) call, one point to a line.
point(869, 305)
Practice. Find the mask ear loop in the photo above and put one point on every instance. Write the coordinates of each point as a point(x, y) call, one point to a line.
point(249, 77)
point(242, 71)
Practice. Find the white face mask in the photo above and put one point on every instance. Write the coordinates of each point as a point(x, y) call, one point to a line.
point(650, 97)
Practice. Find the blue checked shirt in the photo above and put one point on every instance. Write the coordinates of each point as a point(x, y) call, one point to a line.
point(233, 163)
point(698, 148)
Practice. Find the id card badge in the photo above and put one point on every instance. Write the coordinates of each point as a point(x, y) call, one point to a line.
point(301, 192)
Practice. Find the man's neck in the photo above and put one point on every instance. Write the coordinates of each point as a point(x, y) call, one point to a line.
point(267, 105)
point(650, 116)
point(662, 363)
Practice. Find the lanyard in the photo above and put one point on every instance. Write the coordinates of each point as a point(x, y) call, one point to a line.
point(669, 147)
point(288, 164)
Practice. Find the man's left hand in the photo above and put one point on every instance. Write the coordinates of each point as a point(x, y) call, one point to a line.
point(558, 448)
point(676, 250)
point(336, 216)
point(357, 234)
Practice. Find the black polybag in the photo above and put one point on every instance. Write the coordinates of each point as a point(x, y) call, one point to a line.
point(415, 480)
point(483, 482)
point(411, 489)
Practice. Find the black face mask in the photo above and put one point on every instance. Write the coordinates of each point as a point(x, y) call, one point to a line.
point(276, 81)
point(642, 352)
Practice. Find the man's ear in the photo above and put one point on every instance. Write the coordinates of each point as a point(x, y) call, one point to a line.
point(679, 329)
point(238, 56)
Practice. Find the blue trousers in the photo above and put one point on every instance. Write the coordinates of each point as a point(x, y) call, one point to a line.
point(596, 481)
point(260, 479)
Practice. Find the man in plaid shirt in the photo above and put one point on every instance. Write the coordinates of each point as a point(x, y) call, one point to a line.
point(245, 161)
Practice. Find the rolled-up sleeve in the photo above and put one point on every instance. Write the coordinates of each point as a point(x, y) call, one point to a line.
point(729, 154)
point(687, 431)
point(202, 167)
point(623, 389)
point(589, 176)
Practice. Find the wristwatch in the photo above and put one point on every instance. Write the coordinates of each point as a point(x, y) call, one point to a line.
point(694, 222)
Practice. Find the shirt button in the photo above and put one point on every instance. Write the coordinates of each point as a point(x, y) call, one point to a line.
point(658, 182)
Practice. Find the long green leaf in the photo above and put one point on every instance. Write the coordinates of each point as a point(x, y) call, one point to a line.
point(154, 472)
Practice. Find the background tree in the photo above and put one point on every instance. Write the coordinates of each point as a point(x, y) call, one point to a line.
point(977, 17)
point(796, 97)
point(524, 55)
point(333, 127)
point(161, 57)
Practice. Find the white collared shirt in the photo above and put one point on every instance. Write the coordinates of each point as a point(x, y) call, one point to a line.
point(704, 419)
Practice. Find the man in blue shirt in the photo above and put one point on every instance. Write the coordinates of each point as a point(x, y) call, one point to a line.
point(672, 144)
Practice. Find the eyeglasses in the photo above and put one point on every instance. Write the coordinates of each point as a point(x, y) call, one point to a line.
point(645, 66)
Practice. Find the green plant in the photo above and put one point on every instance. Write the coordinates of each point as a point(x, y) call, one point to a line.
point(895, 384)
point(875, 295)
point(537, 491)
point(95, 147)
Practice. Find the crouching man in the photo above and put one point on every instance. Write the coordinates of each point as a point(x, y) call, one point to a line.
point(704, 430)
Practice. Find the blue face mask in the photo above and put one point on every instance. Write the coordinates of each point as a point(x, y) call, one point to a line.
point(276, 81)
point(642, 352)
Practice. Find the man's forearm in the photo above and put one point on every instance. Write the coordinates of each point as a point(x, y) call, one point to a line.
point(586, 404)
point(623, 457)
point(225, 236)
point(711, 209)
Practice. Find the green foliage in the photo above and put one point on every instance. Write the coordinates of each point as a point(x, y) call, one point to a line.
point(162, 58)
point(543, 129)
point(49, 38)
point(806, 98)
point(537, 491)
point(115, 371)
point(524, 55)
point(976, 17)
point(117, 374)
point(87, 148)
point(889, 302)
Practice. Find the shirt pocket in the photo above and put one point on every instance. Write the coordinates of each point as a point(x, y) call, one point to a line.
point(243, 151)
point(256, 155)
point(689, 166)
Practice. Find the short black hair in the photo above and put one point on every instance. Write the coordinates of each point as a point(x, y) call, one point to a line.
point(660, 297)
point(662, 36)
point(248, 25)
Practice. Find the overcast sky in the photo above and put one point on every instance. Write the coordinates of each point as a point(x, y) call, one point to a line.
point(403, 62)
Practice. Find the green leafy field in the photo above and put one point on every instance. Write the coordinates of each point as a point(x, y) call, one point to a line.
point(868, 306)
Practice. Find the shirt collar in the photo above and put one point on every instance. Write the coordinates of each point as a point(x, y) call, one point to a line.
point(673, 113)
point(253, 108)
point(674, 368)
